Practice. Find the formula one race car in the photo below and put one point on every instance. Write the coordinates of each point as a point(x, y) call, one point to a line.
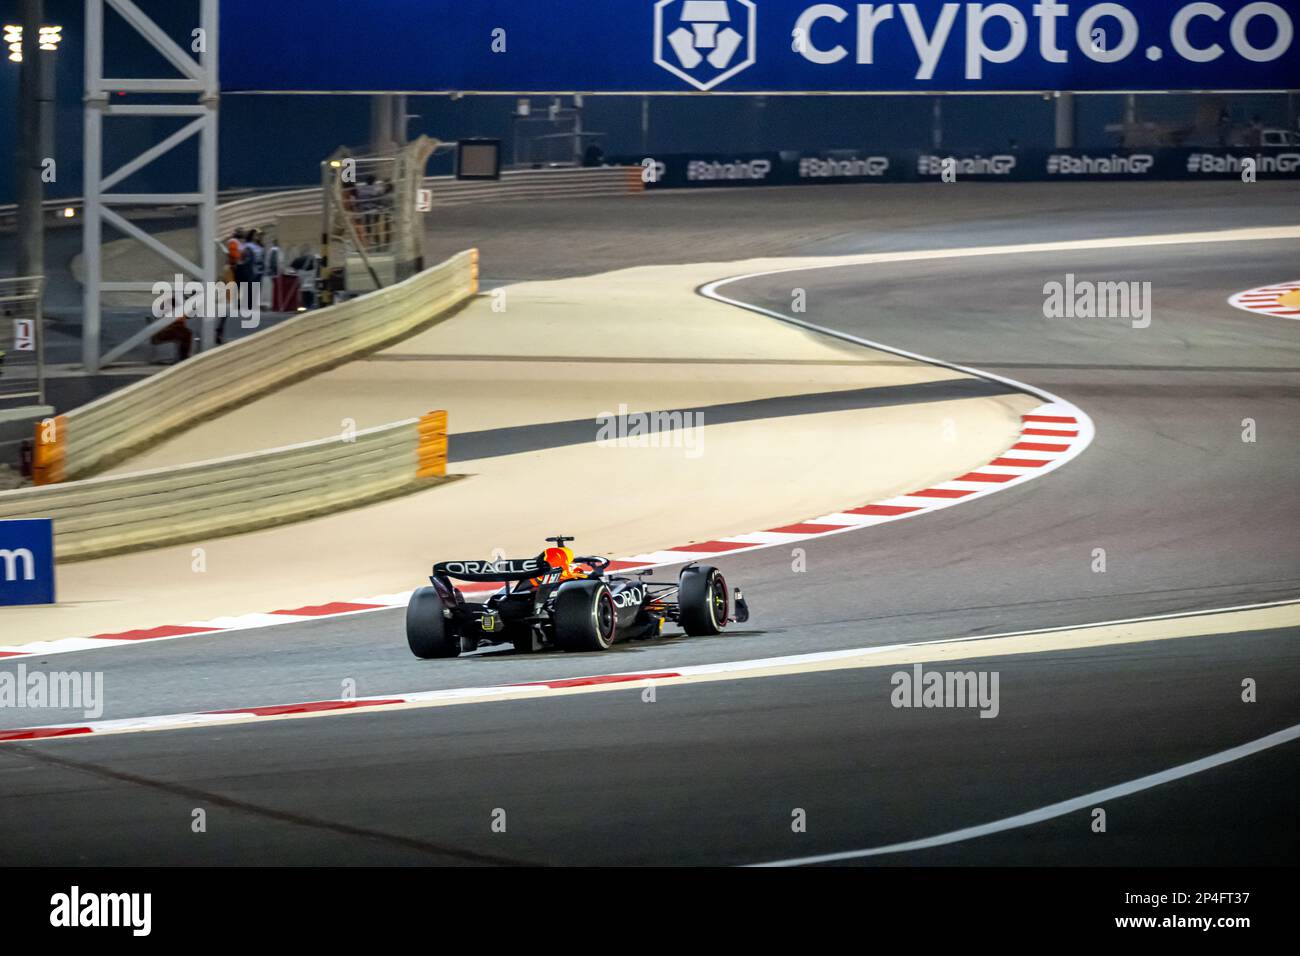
point(558, 600)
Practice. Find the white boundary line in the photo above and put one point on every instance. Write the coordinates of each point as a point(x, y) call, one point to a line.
point(1054, 810)
point(532, 690)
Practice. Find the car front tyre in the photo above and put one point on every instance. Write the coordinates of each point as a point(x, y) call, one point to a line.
point(703, 602)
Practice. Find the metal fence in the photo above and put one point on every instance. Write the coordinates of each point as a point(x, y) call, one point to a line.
point(374, 236)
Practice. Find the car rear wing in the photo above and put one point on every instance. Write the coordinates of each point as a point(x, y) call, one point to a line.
point(495, 571)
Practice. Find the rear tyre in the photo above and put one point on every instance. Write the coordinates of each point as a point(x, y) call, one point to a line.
point(428, 632)
point(703, 602)
point(585, 618)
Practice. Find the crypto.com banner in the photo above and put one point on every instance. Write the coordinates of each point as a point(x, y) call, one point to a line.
point(756, 46)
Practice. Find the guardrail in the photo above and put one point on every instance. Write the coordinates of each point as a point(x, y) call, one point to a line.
point(95, 436)
point(51, 210)
point(538, 184)
point(115, 514)
point(264, 209)
point(513, 186)
point(56, 211)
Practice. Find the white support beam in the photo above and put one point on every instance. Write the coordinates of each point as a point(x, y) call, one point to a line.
point(92, 158)
point(151, 199)
point(153, 109)
point(157, 325)
point(126, 287)
point(127, 85)
point(138, 234)
point(208, 159)
point(158, 39)
point(198, 76)
point(152, 153)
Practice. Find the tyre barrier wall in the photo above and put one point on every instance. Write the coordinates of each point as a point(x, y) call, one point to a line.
point(115, 514)
point(793, 168)
point(514, 185)
point(95, 436)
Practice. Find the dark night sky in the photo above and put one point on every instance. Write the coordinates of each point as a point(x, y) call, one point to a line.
point(280, 140)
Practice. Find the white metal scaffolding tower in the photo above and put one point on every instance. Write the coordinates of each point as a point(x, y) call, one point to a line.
point(198, 76)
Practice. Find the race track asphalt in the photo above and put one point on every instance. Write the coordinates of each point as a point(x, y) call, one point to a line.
point(1189, 515)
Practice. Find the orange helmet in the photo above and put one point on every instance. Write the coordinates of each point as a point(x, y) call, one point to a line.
point(562, 560)
point(558, 557)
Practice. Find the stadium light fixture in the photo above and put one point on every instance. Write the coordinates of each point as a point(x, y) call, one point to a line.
point(48, 39)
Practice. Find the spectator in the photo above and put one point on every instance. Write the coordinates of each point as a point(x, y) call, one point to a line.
point(306, 266)
point(178, 332)
point(274, 267)
point(594, 156)
point(234, 249)
point(1255, 136)
point(256, 257)
point(243, 279)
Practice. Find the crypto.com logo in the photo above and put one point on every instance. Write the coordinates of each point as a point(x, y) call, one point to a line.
point(705, 41)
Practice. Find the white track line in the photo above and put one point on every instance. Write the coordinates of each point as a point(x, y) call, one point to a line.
point(725, 670)
point(1057, 809)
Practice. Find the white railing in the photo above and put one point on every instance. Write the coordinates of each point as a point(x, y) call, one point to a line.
point(514, 186)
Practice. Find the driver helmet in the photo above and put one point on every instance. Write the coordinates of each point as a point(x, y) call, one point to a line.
point(562, 558)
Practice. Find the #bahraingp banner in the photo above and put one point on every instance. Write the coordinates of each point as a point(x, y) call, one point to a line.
point(756, 46)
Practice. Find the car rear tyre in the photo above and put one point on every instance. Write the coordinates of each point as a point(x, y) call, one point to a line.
point(703, 602)
point(428, 632)
point(585, 618)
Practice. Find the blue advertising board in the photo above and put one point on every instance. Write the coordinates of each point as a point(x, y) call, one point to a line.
point(26, 562)
point(756, 46)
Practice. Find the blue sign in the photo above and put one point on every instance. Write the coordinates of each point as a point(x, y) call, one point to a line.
point(756, 46)
point(26, 562)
